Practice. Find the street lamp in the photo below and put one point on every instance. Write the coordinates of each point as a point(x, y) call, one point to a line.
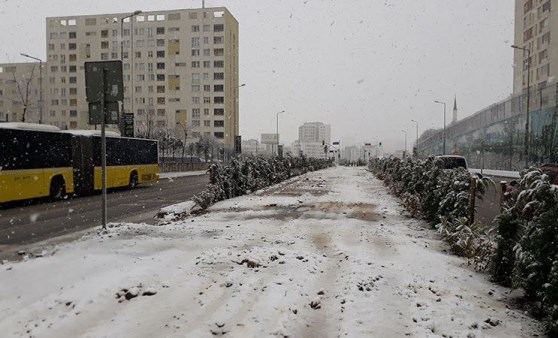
point(277, 146)
point(131, 59)
point(528, 91)
point(405, 151)
point(417, 136)
point(40, 84)
point(444, 150)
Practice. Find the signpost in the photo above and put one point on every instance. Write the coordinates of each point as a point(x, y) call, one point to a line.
point(129, 124)
point(104, 92)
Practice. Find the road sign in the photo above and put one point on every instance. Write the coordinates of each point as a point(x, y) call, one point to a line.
point(96, 114)
point(129, 124)
point(113, 81)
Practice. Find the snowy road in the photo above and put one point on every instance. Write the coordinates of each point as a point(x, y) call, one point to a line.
point(327, 254)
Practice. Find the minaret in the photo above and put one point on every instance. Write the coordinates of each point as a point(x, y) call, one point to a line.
point(454, 110)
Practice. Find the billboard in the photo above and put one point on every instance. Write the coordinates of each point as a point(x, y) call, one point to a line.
point(269, 139)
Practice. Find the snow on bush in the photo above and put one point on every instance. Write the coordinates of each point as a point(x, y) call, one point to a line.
point(441, 197)
point(240, 178)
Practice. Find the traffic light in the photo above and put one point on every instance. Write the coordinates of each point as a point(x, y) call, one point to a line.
point(380, 144)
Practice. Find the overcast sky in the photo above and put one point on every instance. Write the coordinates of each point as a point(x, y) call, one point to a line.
point(366, 67)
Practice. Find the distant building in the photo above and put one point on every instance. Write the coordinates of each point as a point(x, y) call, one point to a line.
point(20, 92)
point(251, 147)
point(312, 138)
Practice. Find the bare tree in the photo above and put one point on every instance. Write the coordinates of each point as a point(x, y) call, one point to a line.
point(146, 124)
point(23, 90)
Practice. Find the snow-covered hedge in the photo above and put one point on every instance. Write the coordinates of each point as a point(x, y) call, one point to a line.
point(240, 178)
point(521, 248)
point(441, 197)
point(527, 244)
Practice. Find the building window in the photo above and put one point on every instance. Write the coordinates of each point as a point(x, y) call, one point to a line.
point(160, 77)
point(195, 99)
point(207, 64)
point(160, 42)
point(218, 64)
point(160, 100)
point(218, 52)
point(206, 123)
point(218, 111)
point(196, 113)
point(218, 88)
point(206, 88)
point(218, 40)
point(73, 113)
point(218, 27)
point(206, 111)
point(196, 64)
point(73, 69)
point(206, 28)
point(195, 52)
point(104, 45)
point(160, 65)
point(160, 89)
point(160, 53)
point(195, 28)
point(195, 88)
point(218, 123)
point(73, 91)
point(72, 35)
point(218, 76)
point(195, 42)
point(207, 52)
point(71, 46)
point(195, 123)
point(206, 99)
point(219, 135)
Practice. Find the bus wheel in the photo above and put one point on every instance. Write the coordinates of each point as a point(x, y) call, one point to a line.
point(133, 180)
point(57, 188)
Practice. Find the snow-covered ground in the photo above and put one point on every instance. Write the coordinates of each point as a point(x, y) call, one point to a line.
point(326, 254)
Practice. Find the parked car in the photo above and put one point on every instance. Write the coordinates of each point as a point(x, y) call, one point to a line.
point(551, 169)
point(453, 161)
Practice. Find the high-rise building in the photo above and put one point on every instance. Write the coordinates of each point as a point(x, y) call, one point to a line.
point(180, 70)
point(312, 138)
point(20, 92)
point(536, 33)
point(314, 132)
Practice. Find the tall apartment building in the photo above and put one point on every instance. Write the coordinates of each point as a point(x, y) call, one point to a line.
point(312, 136)
point(536, 30)
point(180, 69)
point(20, 92)
point(314, 132)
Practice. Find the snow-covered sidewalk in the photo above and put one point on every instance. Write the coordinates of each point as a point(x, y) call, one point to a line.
point(326, 254)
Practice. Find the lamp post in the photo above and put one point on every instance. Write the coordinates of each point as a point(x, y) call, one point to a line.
point(131, 62)
point(416, 122)
point(277, 145)
point(40, 85)
point(405, 149)
point(528, 91)
point(444, 149)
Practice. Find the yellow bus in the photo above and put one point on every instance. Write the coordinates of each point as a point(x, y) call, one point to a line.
point(40, 161)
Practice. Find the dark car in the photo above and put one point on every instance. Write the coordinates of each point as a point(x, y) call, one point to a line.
point(453, 161)
point(551, 169)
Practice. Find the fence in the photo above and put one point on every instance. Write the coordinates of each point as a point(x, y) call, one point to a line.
point(495, 137)
point(176, 167)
